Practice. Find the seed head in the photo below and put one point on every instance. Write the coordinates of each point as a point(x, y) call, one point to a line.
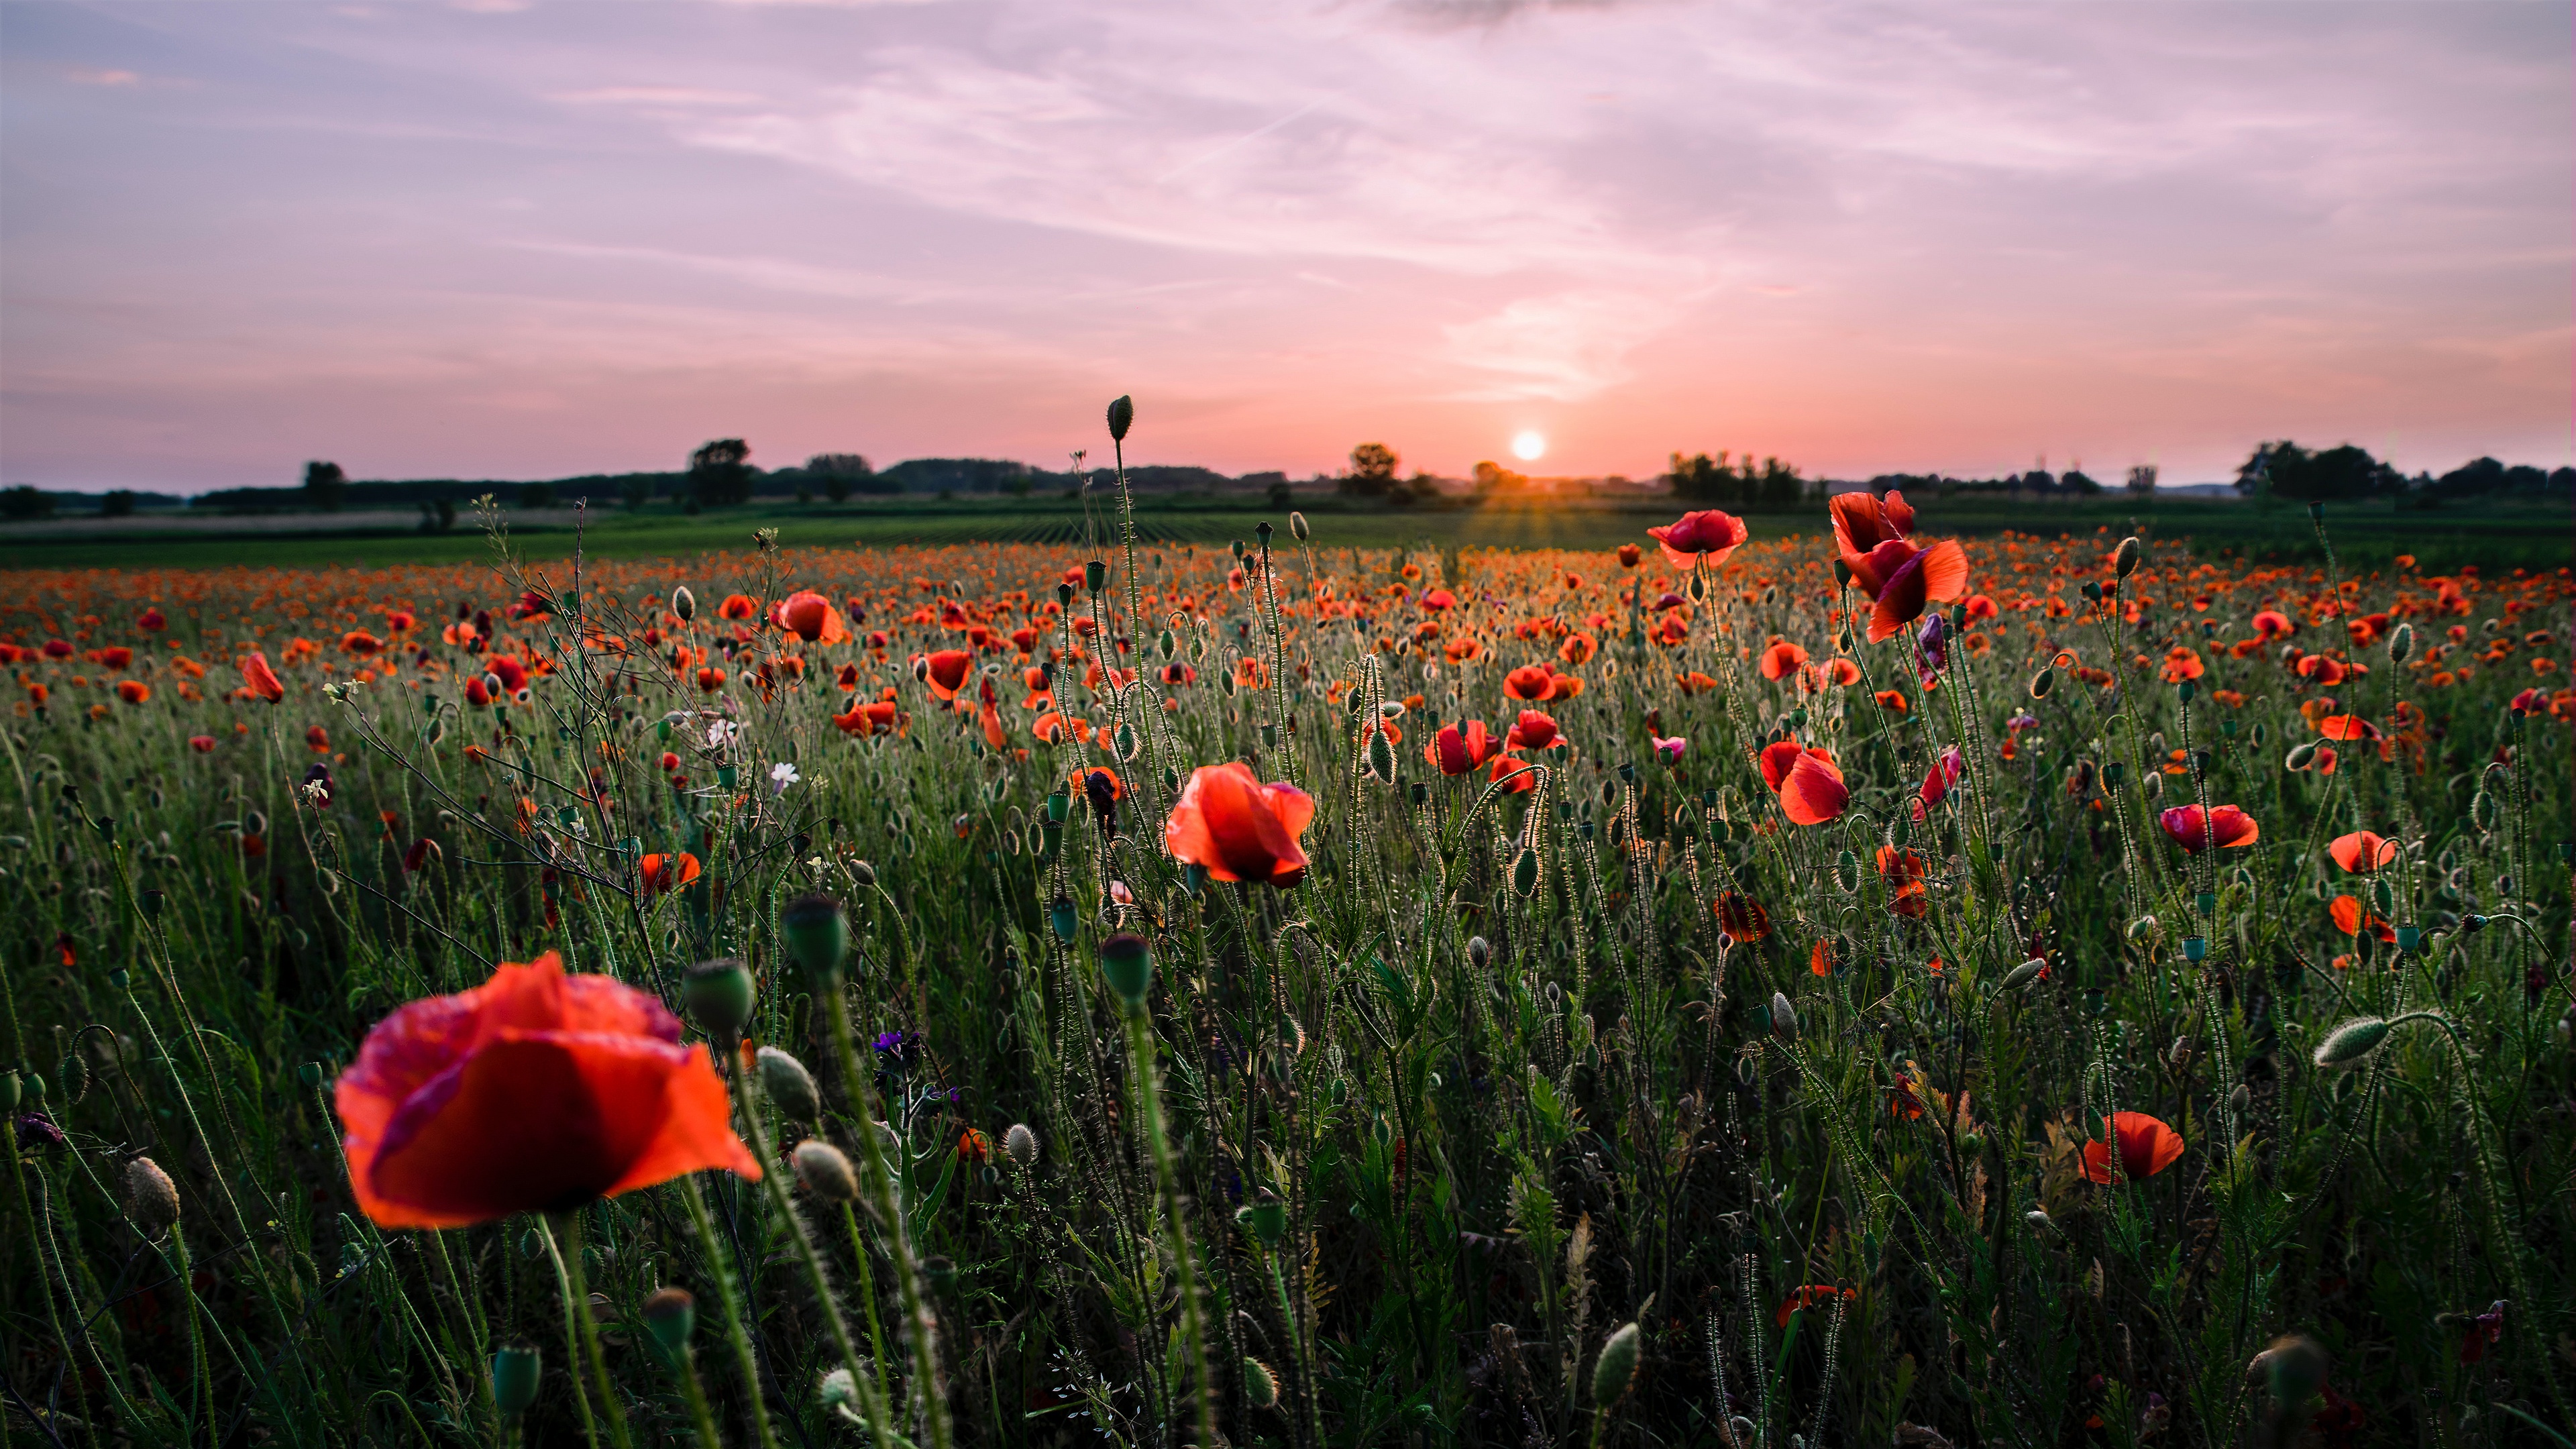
point(151, 1198)
point(1616, 1369)
point(789, 1085)
point(1479, 951)
point(670, 1316)
point(516, 1371)
point(2401, 643)
point(2300, 757)
point(719, 995)
point(818, 934)
point(1127, 963)
point(825, 1171)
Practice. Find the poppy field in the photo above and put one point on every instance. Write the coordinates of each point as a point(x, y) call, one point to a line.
point(1745, 988)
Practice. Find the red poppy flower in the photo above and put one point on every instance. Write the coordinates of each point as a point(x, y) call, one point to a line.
point(1457, 750)
point(1782, 659)
point(810, 617)
point(202, 744)
point(1742, 918)
point(737, 606)
point(1905, 580)
point(668, 872)
point(1577, 649)
point(2181, 664)
point(1810, 1295)
point(2347, 727)
point(974, 1146)
point(2196, 828)
point(318, 740)
point(1863, 522)
point(133, 691)
point(152, 621)
point(945, 671)
point(710, 679)
point(1810, 785)
point(1945, 772)
point(360, 643)
point(2362, 851)
point(2352, 920)
point(1629, 553)
point(1705, 534)
point(260, 679)
point(1980, 606)
point(1238, 828)
point(2272, 624)
point(1529, 682)
point(1534, 730)
point(2147, 1147)
point(533, 1091)
point(1516, 775)
point(1439, 599)
point(1903, 870)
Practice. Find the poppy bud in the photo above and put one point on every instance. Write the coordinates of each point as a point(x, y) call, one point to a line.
point(2025, 973)
point(1525, 874)
point(151, 1198)
point(684, 604)
point(1616, 1369)
point(1479, 951)
point(670, 1316)
point(2294, 1366)
point(2240, 1099)
point(2401, 643)
point(825, 1171)
point(1122, 416)
point(1021, 1146)
point(1297, 528)
point(2153, 786)
point(719, 996)
point(1784, 1017)
point(788, 1084)
point(1260, 1385)
point(862, 874)
point(818, 934)
point(2042, 682)
point(2038, 1221)
point(2300, 756)
point(2351, 1042)
point(516, 1371)
point(1095, 575)
point(1265, 1217)
point(1127, 963)
point(2124, 561)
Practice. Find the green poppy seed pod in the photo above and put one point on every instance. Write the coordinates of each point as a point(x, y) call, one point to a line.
point(1064, 594)
point(1297, 528)
point(1127, 964)
point(1784, 1017)
point(1062, 919)
point(516, 1371)
point(838, 1388)
point(862, 874)
point(2295, 1366)
point(788, 1084)
point(1260, 1385)
point(684, 604)
point(1616, 1369)
point(2093, 590)
point(1095, 575)
point(2186, 689)
point(1842, 574)
point(2351, 1042)
point(2300, 757)
point(670, 1316)
point(2124, 560)
point(2401, 643)
point(1525, 874)
point(1021, 1146)
point(2025, 973)
point(719, 997)
point(151, 1198)
point(1265, 1217)
point(1122, 416)
point(2042, 682)
point(818, 934)
point(309, 1073)
point(825, 1171)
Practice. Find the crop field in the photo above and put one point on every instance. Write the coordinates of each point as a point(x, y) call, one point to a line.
point(1794, 982)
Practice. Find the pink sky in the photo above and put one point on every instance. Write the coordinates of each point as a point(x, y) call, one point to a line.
point(506, 240)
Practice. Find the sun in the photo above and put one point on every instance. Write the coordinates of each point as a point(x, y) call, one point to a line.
point(1529, 447)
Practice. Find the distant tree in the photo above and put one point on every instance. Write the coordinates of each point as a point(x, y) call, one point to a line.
point(1702, 479)
point(325, 486)
point(720, 473)
point(25, 501)
point(437, 515)
point(637, 488)
point(2076, 480)
point(1493, 479)
point(841, 473)
point(2336, 474)
point(1278, 495)
point(1779, 486)
point(119, 503)
point(2142, 479)
point(1372, 472)
point(536, 495)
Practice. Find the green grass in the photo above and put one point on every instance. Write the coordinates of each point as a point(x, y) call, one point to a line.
point(2495, 536)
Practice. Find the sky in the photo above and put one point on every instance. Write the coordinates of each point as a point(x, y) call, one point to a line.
point(503, 240)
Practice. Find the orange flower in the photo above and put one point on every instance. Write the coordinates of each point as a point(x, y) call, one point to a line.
point(260, 679)
point(1529, 682)
point(1697, 683)
point(1782, 659)
point(1810, 786)
point(737, 606)
point(810, 617)
point(1239, 829)
point(1903, 871)
point(360, 642)
point(533, 1091)
point(668, 872)
point(1843, 672)
point(1820, 961)
point(2182, 664)
point(2352, 920)
point(2362, 851)
point(2147, 1147)
point(1516, 775)
point(944, 670)
point(1810, 1295)
point(1578, 649)
point(1892, 700)
point(318, 740)
point(133, 691)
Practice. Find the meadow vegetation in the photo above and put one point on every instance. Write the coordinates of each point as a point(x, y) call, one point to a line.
point(1791, 983)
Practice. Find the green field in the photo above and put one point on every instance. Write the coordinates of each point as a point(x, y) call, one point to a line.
point(2366, 534)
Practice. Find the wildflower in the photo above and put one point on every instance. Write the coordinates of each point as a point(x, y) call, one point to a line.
point(1782, 659)
point(202, 744)
point(944, 670)
point(1530, 682)
point(1516, 775)
point(133, 691)
point(668, 872)
point(1534, 730)
point(2147, 1147)
point(2485, 1331)
point(261, 680)
point(810, 617)
point(1239, 829)
point(2348, 917)
point(2362, 851)
point(1810, 1295)
point(781, 775)
point(974, 1146)
point(534, 1091)
point(1809, 784)
point(1903, 871)
point(1670, 748)
point(2196, 827)
point(1457, 750)
point(1945, 772)
point(151, 621)
point(1628, 555)
point(1742, 918)
point(1706, 535)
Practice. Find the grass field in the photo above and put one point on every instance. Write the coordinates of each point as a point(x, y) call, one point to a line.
point(2371, 534)
point(2043, 992)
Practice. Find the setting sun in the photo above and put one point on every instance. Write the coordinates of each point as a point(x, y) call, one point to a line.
point(1528, 446)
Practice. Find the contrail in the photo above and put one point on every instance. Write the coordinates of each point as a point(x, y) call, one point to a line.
point(1238, 141)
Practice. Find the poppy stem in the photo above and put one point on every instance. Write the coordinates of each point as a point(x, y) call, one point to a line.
point(868, 1298)
point(722, 1272)
point(1140, 1046)
point(580, 1331)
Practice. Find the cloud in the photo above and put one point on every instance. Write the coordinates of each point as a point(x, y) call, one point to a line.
point(1565, 347)
point(81, 75)
point(655, 96)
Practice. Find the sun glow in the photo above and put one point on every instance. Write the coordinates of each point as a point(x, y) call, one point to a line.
point(1528, 447)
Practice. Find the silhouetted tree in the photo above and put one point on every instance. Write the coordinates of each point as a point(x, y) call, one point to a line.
point(841, 473)
point(325, 485)
point(2339, 473)
point(1372, 472)
point(2142, 479)
point(536, 495)
point(25, 501)
point(720, 473)
point(119, 503)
